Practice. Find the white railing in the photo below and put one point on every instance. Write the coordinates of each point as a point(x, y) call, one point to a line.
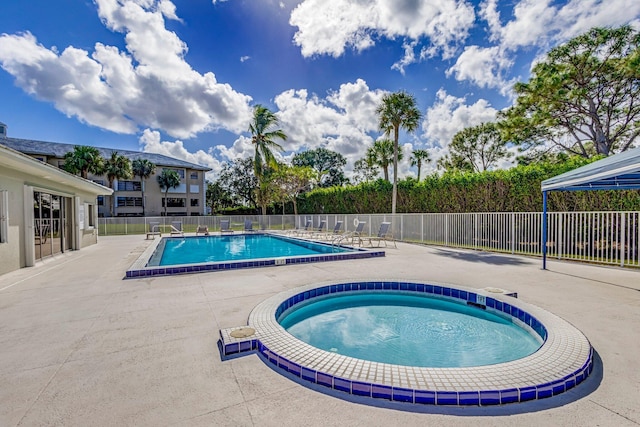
point(598, 237)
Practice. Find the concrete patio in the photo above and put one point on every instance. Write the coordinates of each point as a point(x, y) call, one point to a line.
point(81, 346)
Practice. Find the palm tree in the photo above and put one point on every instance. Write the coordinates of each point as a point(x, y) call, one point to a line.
point(144, 169)
point(84, 159)
point(381, 154)
point(418, 158)
point(397, 110)
point(116, 167)
point(167, 180)
point(263, 136)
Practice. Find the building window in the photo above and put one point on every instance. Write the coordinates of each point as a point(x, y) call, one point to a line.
point(100, 200)
point(180, 172)
point(174, 202)
point(98, 181)
point(4, 215)
point(194, 175)
point(195, 203)
point(60, 164)
point(91, 211)
point(129, 202)
point(129, 186)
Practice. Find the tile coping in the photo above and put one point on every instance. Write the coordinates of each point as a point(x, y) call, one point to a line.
point(140, 267)
point(564, 360)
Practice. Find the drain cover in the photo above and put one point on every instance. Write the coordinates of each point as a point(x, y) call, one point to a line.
point(242, 332)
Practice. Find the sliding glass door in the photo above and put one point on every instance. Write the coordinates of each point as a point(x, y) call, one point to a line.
point(52, 229)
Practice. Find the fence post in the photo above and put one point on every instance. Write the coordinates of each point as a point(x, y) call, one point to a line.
point(623, 227)
point(446, 229)
point(513, 233)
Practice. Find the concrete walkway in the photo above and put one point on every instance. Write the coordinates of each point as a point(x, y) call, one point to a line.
point(80, 346)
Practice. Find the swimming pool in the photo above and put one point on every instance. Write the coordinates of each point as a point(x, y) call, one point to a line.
point(408, 329)
point(563, 361)
point(237, 247)
point(192, 254)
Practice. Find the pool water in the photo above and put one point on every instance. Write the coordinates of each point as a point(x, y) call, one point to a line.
point(192, 250)
point(404, 329)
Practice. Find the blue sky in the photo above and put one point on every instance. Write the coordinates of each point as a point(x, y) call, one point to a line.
point(180, 77)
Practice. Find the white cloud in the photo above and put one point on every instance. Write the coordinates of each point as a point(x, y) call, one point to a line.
point(449, 115)
point(541, 22)
point(332, 27)
point(408, 59)
point(483, 66)
point(341, 122)
point(149, 85)
point(245, 58)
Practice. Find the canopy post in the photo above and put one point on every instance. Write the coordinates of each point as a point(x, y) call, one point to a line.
point(544, 230)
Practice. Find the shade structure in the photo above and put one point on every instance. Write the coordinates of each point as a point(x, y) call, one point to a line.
point(618, 172)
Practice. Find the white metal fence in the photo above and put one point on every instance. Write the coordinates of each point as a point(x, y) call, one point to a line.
point(598, 237)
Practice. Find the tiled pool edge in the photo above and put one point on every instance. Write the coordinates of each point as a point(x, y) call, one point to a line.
point(140, 269)
point(557, 339)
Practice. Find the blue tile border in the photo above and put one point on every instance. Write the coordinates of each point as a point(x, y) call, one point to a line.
point(418, 395)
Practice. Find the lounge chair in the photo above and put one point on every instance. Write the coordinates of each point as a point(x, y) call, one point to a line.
point(308, 224)
point(202, 229)
point(154, 230)
point(384, 235)
point(248, 226)
point(337, 231)
point(320, 230)
point(225, 226)
point(176, 228)
point(42, 234)
point(355, 235)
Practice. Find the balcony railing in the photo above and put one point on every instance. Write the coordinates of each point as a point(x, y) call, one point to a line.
point(597, 237)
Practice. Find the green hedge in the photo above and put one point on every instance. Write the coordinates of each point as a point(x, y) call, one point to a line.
point(512, 190)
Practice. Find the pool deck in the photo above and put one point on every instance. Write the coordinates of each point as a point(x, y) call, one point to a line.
point(81, 346)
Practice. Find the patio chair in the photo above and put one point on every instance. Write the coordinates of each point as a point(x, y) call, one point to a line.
point(351, 235)
point(176, 228)
point(384, 235)
point(225, 226)
point(320, 230)
point(308, 224)
point(337, 231)
point(42, 234)
point(248, 226)
point(154, 230)
point(202, 229)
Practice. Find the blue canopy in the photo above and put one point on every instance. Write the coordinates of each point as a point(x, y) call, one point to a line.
point(618, 172)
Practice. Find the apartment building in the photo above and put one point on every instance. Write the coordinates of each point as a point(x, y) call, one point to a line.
point(188, 199)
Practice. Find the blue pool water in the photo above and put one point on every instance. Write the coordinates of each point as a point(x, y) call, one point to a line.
point(405, 329)
point(193, 250)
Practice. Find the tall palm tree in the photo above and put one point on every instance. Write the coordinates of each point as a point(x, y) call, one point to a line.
point(418, 158)
point(84, 160)
point(264, 132)
point(381, 154)
point(397, 111)
point(167, 180)
point(144, 169)
point(116, 167)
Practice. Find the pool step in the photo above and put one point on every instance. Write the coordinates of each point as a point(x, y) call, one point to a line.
point(240, 339)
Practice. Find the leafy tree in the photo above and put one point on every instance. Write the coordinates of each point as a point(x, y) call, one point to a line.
point(144, 169)
point(263, 136)
point(584, 97)
point(397, 111)
point(239, 180)
point(167, 180)
point(419, 157)
point(475, 149)
point(329, 166)
point(381, 154)
point(365, 170)
point(218, 197)
point(293, 180)
point(84, 160)
point(116, 167)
